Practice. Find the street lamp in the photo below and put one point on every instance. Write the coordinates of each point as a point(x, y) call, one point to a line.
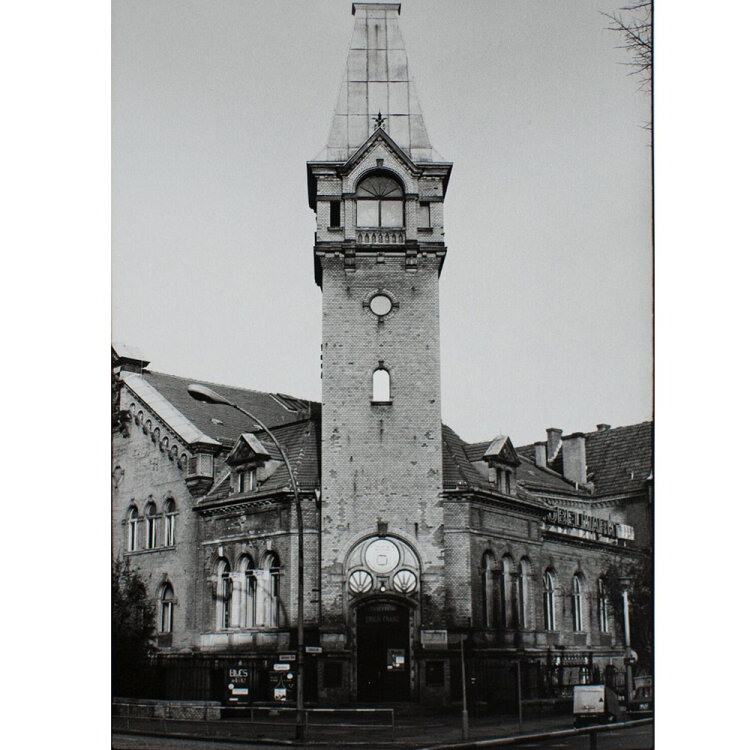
point(209, 396)
point(625, 583)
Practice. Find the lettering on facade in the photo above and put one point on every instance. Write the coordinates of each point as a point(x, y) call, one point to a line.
point(434, 639)
point(576, 519)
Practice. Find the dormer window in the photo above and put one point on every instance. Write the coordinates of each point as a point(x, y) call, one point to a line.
point(380, 202)
point(246, 480)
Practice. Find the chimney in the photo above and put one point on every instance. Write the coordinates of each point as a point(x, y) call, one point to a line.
point(602, 427)
point(554, 438)
point(574, 458)
point(540, 453)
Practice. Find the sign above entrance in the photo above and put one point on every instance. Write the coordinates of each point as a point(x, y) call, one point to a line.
point(434, 639)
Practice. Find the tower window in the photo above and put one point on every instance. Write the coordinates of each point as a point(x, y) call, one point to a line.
point(381, 386)
point(380, 202)
point(335, 220)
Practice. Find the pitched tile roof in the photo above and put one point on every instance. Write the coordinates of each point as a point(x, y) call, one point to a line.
point(222, 423)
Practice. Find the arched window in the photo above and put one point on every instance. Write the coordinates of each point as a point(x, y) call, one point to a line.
point(381, 385)
point(549, 600)
point(133, 529)
point(488, 590)
point(577, 603)
point(603, 606)
point(249, 586)
point(170, 511)
point(524, 594)
point(380, 202)
point(150, 526)
point(223, 595)
point(268, 591)
point(167, 605)
point(506, 586)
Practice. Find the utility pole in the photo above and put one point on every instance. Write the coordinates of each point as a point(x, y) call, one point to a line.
point(465, 711)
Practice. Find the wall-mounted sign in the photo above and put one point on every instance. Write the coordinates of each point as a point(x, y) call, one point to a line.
point(313, 649)
point(287, 657)
point(624, 531)
point(434, 639)
point(281, 667)
point(564, 517)
point(238, 688)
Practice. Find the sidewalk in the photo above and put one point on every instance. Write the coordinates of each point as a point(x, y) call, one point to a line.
point(410, 731)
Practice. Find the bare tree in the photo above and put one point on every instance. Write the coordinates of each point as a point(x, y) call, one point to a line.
point(633, 22)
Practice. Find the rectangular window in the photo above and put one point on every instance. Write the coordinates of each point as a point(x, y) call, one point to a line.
point(166, 617)
point(169, 530)
point(423, 216)
point(335, 214)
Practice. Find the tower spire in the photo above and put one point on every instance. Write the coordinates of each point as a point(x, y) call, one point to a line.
point(377, 87)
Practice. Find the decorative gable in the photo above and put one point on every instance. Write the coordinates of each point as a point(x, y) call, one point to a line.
point(247, 449)
point(501, 451)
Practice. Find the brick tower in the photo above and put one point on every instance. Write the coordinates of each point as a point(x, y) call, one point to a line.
point(377, 190)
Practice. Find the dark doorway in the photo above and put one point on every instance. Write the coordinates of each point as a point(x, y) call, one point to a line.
point(383, 652)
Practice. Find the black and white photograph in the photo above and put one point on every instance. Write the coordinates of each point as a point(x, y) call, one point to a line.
point(382, 374)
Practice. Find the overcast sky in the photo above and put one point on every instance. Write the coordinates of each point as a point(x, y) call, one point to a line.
point(546, 289)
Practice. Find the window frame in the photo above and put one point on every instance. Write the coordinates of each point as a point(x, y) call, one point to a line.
point(381, 385)
point(167, 608)
point(363, 193)
point(603, 607)
point(151, 526)
point(549, 601)
point(133, 529)
point(170, 514)
point(577, 597)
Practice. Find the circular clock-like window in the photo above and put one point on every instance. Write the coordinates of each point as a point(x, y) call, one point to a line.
point(382, 556)
point(360, 582)
point(405, 582)
point(381, 304)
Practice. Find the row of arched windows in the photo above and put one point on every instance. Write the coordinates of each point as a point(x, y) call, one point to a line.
point(507, 599)
point(151, 521)
point(248, 597)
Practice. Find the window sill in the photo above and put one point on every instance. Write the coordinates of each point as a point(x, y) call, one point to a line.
point(382, 403)
point(425, 230)
point(335, 229)
point(152, 549)
point(380, 229)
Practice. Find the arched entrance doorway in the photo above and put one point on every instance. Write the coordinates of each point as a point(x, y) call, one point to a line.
point(383, 658)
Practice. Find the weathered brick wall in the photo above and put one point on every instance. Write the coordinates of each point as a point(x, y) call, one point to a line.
point(147, 473)
point(381, 462)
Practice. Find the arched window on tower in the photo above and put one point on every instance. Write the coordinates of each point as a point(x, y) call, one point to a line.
point(549, 600)
point(381, 386)
point(223, 595)
point(133, 529)
point(488, 590)
point(380, 202)
point(167, 607)
point(150, 526)
point(577, 594)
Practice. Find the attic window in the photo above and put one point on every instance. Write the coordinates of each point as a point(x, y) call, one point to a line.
point(246, 480)
point(503, 481)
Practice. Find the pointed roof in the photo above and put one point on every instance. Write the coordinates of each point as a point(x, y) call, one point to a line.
point(377, 83)
point(501, 449)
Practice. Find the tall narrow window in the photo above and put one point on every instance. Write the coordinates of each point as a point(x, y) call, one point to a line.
point(248, 603)
point(170, 511)
point(380, 202)
point(603, 607)
point(577, 604)
point(549, 601)
point(133, 529)
point(167, 605)
point(223, 595)
point(269, 591)
point(488, 590)
point(423, 215)
point(506, 585)
point(524, 594)
point(150, 526)
point(335, 214)
point(381, 385)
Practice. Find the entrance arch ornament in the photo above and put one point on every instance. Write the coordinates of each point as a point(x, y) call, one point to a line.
point(382, 565)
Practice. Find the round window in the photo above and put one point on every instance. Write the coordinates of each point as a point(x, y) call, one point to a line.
point(382, 556)
point(405, 582)
point(380, 304)
point(360, 582)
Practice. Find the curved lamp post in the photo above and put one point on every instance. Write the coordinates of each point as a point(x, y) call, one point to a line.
point(202, 393)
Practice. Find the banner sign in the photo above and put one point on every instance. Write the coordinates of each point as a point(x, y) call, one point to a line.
point(564, 517)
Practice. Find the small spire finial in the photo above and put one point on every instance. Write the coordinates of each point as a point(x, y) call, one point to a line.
point(379, 121)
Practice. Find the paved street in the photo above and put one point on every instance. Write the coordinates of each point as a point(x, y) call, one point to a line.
point(411, 734)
